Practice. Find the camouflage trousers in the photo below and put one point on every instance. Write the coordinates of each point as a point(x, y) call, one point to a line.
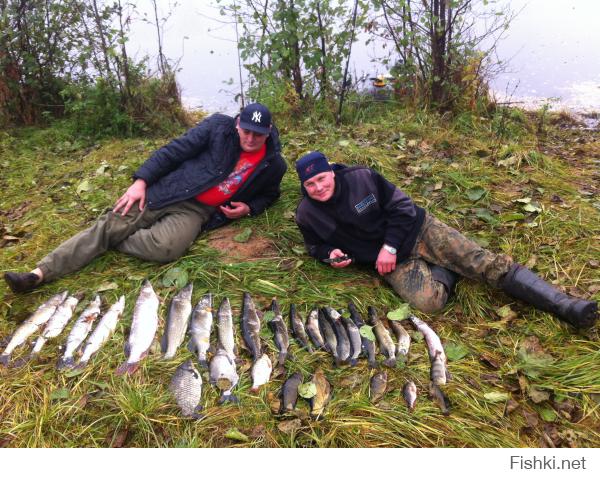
point(439, 244)
point(156, 235)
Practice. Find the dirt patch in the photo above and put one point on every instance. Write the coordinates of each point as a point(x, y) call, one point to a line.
point(257, 247)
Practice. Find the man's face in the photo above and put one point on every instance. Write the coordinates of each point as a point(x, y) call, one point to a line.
point(250, 141)
point(321, 186)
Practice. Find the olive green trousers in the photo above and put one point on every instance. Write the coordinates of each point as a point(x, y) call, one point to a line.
point(444, 246)
point(157, 235)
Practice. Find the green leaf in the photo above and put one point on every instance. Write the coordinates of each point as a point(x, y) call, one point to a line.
point(84, 187)
point(175, 277)
point(307, 390)
point(344, 143)
point(456, 351)
point(416, 335)
point(523, 200)
point(298, 250)
point(367, 332)
point(102, 169)
point(60, 394)
point(486, 215)
point(548, 414)
point(475, 194)
point(269, 316)
point(244, 235)
point(531, 207)
point(235, 434)
point(496, 397)
point(100, 385)
point(512, 216)
point(400, 313)
point(73, 372)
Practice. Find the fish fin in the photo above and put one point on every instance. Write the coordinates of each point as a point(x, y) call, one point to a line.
point(4, 359)
point(163, 343)
point(390, 362)
point(65, 363)
point(127, 368)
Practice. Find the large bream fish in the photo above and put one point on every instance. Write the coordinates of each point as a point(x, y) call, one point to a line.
point(186, 387)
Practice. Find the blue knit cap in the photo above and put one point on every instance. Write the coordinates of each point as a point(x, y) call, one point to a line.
point(312, 164)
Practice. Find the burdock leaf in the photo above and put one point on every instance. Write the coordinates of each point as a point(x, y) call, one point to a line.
point(366, 331)
point(60, 394)
point(175, 277)
point(455, 352)
point(475, 194)
point(84, 187)
point(400, 313)
point(235, 434)
point(307, 390)
point(496, 397)
point(244, 235)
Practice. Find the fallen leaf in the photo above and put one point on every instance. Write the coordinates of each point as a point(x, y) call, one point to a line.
point(84, 187)
point(548, 414)
point(175, 277)
point(400, 313)
point(235, 434)
point(289, 426)
point(506, 313)
point(537, 395)
point(456, 351)
point(307, 390)
point(531, 418)
point(60, 394)
point(475, 194)
point(489, 361)
point(496, 397)
point(118, 438)
point(367, 332)
point(511, 406)
point(243, 236)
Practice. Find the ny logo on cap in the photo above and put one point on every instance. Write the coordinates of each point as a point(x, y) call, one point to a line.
point(256, 116)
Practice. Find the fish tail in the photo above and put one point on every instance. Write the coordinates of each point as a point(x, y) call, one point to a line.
point(390, 362)
point(5, 359)
point(281, 358)
point(127, 368)
point(196, 415)
point(65, 363)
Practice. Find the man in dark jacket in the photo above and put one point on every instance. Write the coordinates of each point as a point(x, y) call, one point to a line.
point(222, 169)
point(353, 214)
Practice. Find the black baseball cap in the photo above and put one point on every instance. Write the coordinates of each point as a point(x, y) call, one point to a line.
point(256, 117)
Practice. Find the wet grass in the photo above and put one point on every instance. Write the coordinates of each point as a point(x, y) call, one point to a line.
point(46, 199)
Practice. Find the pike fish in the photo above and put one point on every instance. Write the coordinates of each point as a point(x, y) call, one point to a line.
point(223, 375)
point(200, 327)
point(78, 333)
point(328, 335)
point(143, 329)
point(386, 344)
point(289, 393)
point(343, 342)
point(186, 387)
point(437, 356)
point(56, 324)
point(280, 332)
point(323, 395)
point(409, 392)
point(225, 331)
point(355, 340)
point(298, 330)
point(378, 386)
point(261, 372)
point(368, 345)
point(402, 337)
point(177, 322)
point(31, 325)
point(312, 327)
point(103, 331)
point(436, 394)
point(251, 328)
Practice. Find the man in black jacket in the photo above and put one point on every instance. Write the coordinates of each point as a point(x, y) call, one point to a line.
point(353, 214)
point(222, 169)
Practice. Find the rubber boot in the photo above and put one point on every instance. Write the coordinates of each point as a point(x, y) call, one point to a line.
point(445, 276)
point(523, 284)
point(22, 281)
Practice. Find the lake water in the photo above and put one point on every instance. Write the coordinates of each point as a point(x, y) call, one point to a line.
point(551, 50)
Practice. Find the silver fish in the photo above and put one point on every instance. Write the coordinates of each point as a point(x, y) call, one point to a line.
point(312, 327)
point(386, 344)
point(177, 321)
point(328, 335)
point(261, 372)
point(368, 345)
point(56, 324)
point(143, 329)
point(436, 393)
point(280, 332)
point(223, 375)
point(378, 386)
point(32, 324)
point(438, 372)
point(409, 392)
point(200, 327)
point(298, 329)
point(103, 331)
point(186, 387)
point(355, 340)
point(78, 333)
point(437, 355)
point(343, 342)
point(225, 332)
point(251, 327)
point(402, 337)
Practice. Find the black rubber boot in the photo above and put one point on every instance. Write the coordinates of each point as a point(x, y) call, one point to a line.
point(445, 276)
point(523, 284)
point(22, 281)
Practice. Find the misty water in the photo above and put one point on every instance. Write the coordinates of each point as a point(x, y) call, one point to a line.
point(550, 53)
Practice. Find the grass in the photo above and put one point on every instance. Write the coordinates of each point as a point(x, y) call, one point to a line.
point(45, 200)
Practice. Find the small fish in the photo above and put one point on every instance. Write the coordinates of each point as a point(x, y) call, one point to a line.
point(378, 386)
point(328, 335)
point(343, 342)
point(312, 327)
point(280, 332)
point(103, 331)
point(56, 324)
point(200, 327)
point(225, 330)
point(78, 334)
point(31, 325)
point(438, 372)
point(409, 392)
point(368, 345)
point(402, 337)
point(437, 356)
point(355, 340)
point(261, 372)
point(186, 387)
point(143, 329)
point(251, 327)
point(289, 393)
point(223, 375)
point(386, 344)
point(177, 322)
point(298, 328)
point(323, 395)
point(436, 393)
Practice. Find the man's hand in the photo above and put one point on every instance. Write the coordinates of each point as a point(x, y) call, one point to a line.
point(136, 192)
point(235, 210)
point(338, 253)
point(386, 262)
